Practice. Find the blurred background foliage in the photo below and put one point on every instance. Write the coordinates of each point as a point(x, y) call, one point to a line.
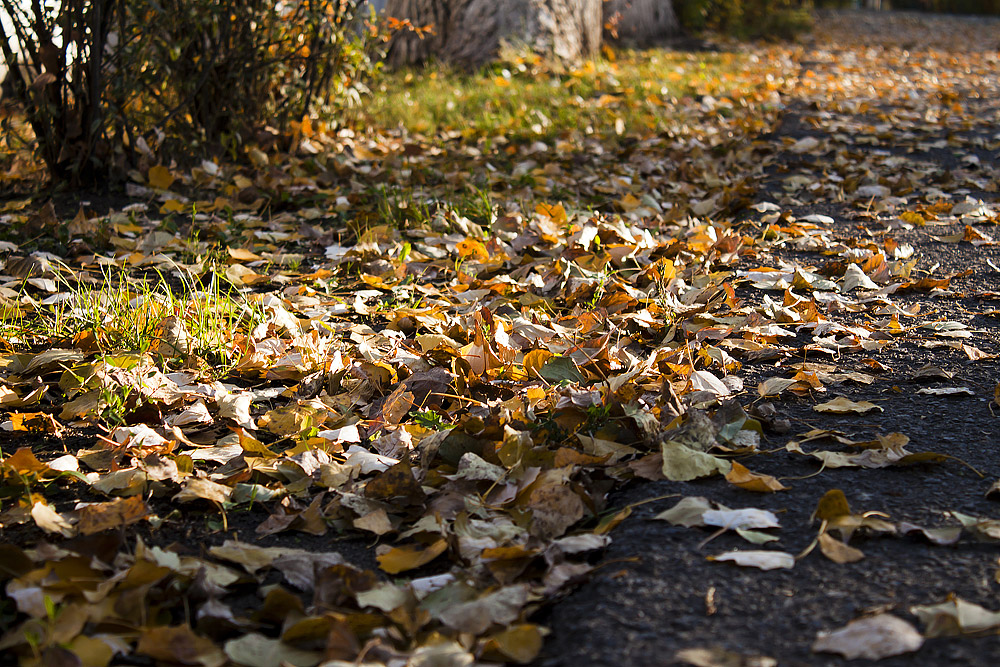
point(110, 85)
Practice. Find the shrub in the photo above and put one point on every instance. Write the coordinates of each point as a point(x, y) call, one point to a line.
point(774, 19)
point(66, 52)
point(110, 83)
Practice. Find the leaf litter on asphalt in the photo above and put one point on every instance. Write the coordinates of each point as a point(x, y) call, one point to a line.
point(462, 386)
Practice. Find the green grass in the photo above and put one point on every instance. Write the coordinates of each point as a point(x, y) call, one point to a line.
point(523, 100)
point(121, 313)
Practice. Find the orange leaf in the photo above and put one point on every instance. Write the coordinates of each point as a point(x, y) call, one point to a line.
point(739, 475)
point(23, 462)
point(401, 559)
point(34, 422)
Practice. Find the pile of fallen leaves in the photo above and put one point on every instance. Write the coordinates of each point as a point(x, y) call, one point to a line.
point(242, 354)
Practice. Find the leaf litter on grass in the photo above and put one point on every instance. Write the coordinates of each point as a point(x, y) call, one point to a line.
point(335, 345)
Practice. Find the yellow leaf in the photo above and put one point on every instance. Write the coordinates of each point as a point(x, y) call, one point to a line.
point(832, 505)
point(173, 206)
point(92, 652)
point(520, 643)
point(629, 203)
point(534, 360)
point(160, 177)
point(556, 213)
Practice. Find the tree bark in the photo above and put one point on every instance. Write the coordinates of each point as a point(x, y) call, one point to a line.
point(640, 22)
point(472, 32)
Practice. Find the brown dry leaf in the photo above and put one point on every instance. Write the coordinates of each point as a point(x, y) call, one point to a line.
point(196, 488)
point(91, 651)
point(501, 607)
point(242, 254)
point(775, 385)
point(682, 463)
point(179, 644)
point(535, 360)
point(398, 483)
point(256, 650)
point(293, 419)
point(554, 507)
point(838, 551)
point(687, 512)
point(375, 522)
point(942, 536)
point(113, 514)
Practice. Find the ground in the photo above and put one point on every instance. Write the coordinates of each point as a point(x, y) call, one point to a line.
point(544, 380)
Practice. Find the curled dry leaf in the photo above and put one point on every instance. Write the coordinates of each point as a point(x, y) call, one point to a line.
point(720, 657)
point(764, 560)
point(845, 406)
point(872, 638)
point(956, 616)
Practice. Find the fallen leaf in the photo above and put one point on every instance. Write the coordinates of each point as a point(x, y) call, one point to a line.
point(954, 617)
point(764, 560)
point(179, 644)
point(873, 638)
point(521, 643)
point(256, 650)
point(160, 177)
point(114, 514)
point(683, 464)
point(51, 521)
point(844, 406)
point(400, 559)
point(838, 551)
point(720, 657)
point(739, 475)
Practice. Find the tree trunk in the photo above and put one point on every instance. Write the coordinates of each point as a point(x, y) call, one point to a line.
point(640, 21)
point(471, 32)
